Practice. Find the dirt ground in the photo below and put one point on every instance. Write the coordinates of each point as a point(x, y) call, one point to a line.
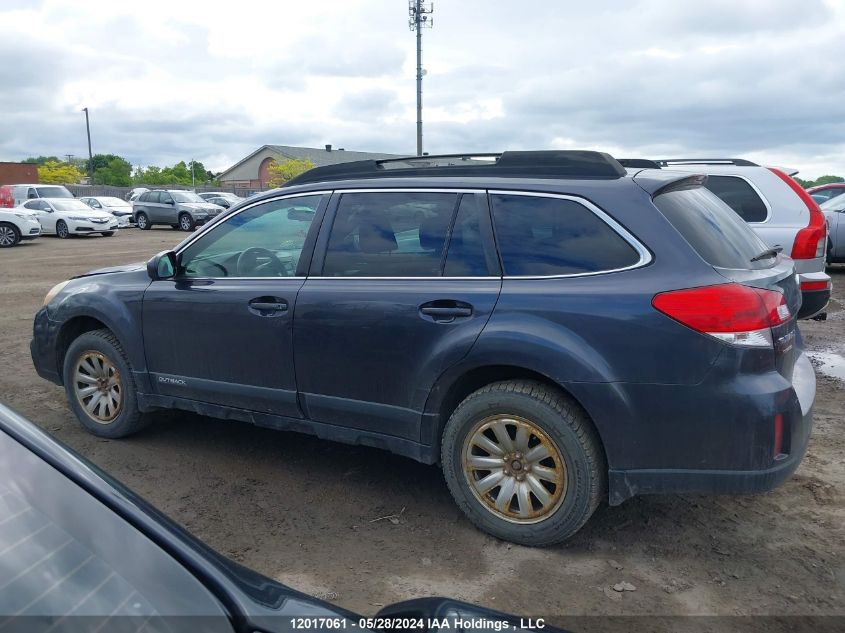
point(306, 512)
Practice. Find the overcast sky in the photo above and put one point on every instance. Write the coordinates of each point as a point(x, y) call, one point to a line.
point(169, 80)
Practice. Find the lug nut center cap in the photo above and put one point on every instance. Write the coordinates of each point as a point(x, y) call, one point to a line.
point(516, 464)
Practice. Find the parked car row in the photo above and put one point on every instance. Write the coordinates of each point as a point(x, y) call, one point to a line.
point(55, 211)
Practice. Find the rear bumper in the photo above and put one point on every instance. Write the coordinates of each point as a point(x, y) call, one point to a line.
point(715, 437)
point(625, 484)
point(813, 301)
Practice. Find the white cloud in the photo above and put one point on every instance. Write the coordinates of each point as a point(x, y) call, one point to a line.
point(170, 80)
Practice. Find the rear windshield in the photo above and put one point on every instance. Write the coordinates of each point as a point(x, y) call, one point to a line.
point(717, 234)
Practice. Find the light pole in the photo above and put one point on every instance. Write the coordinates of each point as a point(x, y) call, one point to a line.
point(420, 19)
point(90, 155)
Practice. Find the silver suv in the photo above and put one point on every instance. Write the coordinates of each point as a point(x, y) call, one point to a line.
point(779, 211)
point(180, 209)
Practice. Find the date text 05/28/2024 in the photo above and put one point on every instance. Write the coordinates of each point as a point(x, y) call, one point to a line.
point(416, 624)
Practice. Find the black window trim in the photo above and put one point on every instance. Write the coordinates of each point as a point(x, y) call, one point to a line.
point(220, 219)
point(642, 251)
point(320, 248)
point(756, 190)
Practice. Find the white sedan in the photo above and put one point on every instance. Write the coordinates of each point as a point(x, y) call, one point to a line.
point(16, 225)
point(120, 209)
point(65, 217)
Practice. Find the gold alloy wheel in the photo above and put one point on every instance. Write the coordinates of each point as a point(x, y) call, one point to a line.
point(514, 469)
point(98, 386)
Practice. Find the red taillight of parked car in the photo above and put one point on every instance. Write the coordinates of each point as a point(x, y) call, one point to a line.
point(810, 241)
point(733, 313)
point(815, 285)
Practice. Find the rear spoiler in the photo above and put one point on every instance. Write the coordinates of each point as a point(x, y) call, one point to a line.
point(655, 182)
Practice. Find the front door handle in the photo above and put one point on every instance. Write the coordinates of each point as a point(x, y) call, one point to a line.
point(446, 310)
point(265, 305)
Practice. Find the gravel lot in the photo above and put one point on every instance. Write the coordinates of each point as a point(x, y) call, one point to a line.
point(306, 512)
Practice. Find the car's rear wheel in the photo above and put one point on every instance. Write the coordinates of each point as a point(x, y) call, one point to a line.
point(100, 387)
point(9, 235)
point(523, 462)
point(143, 221)
point(62, 230)
point(186, 222)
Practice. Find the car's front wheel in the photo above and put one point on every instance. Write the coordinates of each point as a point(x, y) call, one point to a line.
point(143, 221)
point(9, 235)
point(62, 230)
point(523, 462)
point(186, 222)
point(100, 387)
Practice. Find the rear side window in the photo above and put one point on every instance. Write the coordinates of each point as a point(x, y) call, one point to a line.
point(739, 196)
point(387, 234)
point(543, 236)
point(712, 229)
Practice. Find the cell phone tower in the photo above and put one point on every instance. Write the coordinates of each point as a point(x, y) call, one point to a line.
point(420, 18)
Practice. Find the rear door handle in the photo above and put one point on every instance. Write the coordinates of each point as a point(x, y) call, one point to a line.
point(268, 304)
point(446, 309)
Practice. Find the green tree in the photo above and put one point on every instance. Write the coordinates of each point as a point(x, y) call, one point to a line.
point(821, 180)
point(40, 160)
point(114, 171)
point(54, 172)
point(280, 173)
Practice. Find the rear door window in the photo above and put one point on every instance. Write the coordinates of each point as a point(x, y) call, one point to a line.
point(712, 229)
point(740, 196)
point(547, 236)
point(389, 234)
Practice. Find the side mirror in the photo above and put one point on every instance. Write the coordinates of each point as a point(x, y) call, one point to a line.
point(162, 266)
point(170, 202)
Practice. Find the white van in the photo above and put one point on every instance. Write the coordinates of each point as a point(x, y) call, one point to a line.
point(22, 193)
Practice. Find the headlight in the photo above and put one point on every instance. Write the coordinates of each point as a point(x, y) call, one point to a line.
point(54, 291)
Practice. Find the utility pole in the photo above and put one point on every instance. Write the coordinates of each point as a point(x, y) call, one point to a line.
point(193, 180)
point(420, 18)
point(90, 155)
point(68, 156)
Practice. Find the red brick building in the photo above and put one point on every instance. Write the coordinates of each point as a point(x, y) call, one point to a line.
point(15, 173)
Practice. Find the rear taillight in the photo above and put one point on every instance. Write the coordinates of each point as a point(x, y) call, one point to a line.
point(733, 313)
point(810, 241)
point(815, 285)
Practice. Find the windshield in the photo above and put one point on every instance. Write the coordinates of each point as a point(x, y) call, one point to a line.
point(835, 203)
point(113, 202)
point(54, 192)
point(63, 553)
point(185, 196)
point(71, 205)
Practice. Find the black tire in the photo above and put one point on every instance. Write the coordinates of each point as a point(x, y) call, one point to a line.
point(62, 231)
point(9, 235)
point(569, 429)
point(143, 221)
point(128, 419)
point(186, 222)
point(108, 233)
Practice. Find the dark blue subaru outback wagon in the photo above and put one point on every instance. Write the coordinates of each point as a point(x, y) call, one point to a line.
point(550, 328)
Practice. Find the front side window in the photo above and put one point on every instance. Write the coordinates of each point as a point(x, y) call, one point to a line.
point(389, 234)
point(263, 241)
point(544, 236)
point(739, 196)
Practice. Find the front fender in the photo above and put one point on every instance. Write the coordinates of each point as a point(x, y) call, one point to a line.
point(113, 299)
